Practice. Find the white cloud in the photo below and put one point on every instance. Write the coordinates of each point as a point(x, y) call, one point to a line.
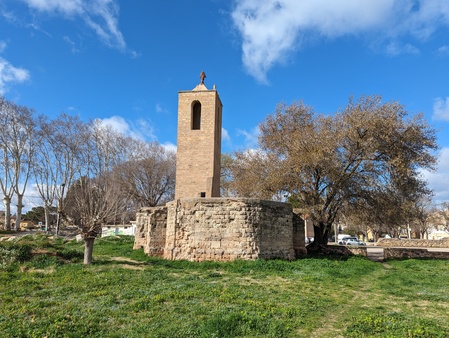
point(10, 74)
point(100, 15)
point(251, 137)
point(271, 30)
point(225, 135)
point(160, 108)
point(8, 16)
point(73, 48)
point(140, 129)
point(439, 179)
point(31, 199)
point(170, 147)
point(144, 128)
point(443, 50)
point(117, 123)
point(67, 7)
point(395, 48)
point(441, 109)
point(2, 46)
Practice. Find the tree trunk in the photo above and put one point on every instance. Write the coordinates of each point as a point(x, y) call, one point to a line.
point(58, 220)
point(320, 237)
point(7, 202)
point(321, 233)
point(19, 211)
point(318, 234)
point(47, 217)
point(88, 249)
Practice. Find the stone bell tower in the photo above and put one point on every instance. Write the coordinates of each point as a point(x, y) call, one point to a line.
point(199, 142)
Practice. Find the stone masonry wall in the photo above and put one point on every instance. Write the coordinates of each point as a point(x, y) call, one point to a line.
point(151, 225)
point(405, 253)
point(299, 234)
point(224, 229)
point(414, 243)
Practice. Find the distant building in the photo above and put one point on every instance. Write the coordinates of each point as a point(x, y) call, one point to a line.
point(27, 225)
point(438, 234)
point(120, 229)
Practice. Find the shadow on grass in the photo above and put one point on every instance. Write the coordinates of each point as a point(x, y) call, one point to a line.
point(333, 252)
point(121, 261)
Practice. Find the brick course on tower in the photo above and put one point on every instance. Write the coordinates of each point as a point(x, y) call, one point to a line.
point(199, 143)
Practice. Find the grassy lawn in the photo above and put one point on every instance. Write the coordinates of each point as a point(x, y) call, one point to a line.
point(48, 292)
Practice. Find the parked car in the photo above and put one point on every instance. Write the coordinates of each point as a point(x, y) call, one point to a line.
point(354, 241)
point(345, 239)
point(342, 237)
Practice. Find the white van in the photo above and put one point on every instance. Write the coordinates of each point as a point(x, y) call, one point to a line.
point(341, 237)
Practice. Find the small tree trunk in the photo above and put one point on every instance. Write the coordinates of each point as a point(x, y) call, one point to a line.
point(318, 234)
point(7, 202)
point(19, 211)
point(321, 232)
point(47, 217)
point(88, 249)
point(58, 221)
point(319, 239)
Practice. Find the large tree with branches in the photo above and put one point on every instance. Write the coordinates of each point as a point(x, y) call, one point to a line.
point(18, 140)
point(329, 161)
point(95, 198)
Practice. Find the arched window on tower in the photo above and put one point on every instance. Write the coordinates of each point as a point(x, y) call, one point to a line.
point(196, 116)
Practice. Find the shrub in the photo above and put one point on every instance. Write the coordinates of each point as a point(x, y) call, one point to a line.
point(43, 261)
point(11, 253)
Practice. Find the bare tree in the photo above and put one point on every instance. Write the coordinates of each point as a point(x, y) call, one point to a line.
point(18, 142)
point(226, 176)
point(58, 160)
point(442, 214)
point(6, 177)
point(6, 186)
point(422, 217)
point(148, 176)
point(96, 198)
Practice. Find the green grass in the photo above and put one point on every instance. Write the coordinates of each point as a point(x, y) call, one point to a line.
point(46, 291)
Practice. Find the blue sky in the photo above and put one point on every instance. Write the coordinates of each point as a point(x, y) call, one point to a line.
point(124, 61)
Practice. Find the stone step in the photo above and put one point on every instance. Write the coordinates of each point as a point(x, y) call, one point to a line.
point(375, 254)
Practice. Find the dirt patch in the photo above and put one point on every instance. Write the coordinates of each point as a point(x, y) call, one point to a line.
point(39, 251)
point(124, 259)
point(34, 270)
point(129, 263)
point(132, 267)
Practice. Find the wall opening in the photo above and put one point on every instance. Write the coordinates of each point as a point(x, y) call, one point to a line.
point(202, 194)
point(196, 116)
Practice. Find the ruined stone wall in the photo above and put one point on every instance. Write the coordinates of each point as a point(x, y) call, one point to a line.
point(414, 243)
point(151, 225)
point(299, 234)
point(406, 253)
point(224, 229)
